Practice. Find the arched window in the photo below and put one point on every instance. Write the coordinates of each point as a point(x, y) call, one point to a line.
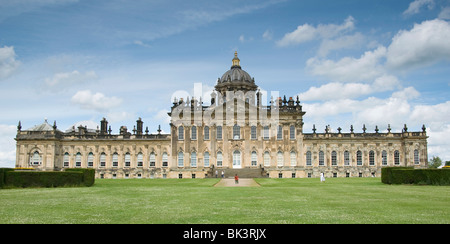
point(127, 160)
point(266, 158)
point(165, 161)
point(103, 160)
point(115, 160)
point(236, 159)
point(416, 157)
point(308, 158)
point(321, 158)
point(180, 159)
point(280, 159)
point(78, 159)
point(36, 159)
point(346, 158)
point(206, 133)
point(152, 159)
point(397, 157)
point(333, 158)
point(384, 157)
point(181, 133)
point(90, 159)
point(358, 158)
point(236, 132)
point(254, 158)
point(193, 159)
point(293, 158)
point(206, 159)
point(219, 159)
point(140, 160)
point(372, 158)
point(66, 160)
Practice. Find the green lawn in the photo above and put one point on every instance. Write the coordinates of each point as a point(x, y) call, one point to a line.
point(338, 200)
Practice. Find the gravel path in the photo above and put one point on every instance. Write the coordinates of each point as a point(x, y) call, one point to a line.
point(242, 183)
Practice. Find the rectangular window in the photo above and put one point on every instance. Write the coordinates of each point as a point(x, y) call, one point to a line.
point(333, 158)
point(103, 160)
point(266, 159)
point(194, 133)
point(181, 133)
point(384, 158)
point(293, 159)
point(236, 132)
point(152, 160)
point(280, 132)
point(266, 133)
point(127, 160)
point(254, 158)
point(292, 132)
point(206, 159)
point(165, 160)
point(416, 156)
point(180, 159)
point(253, 132)
point(372, 158)
point(206, 133)
point(397, 157)
point(219, 159)
point(194, 159)
point(90, 160)
point(219, 132)
point(359, 158)
point(308, 158)
point(346, 158)
point(321, 158)
point(140, 160)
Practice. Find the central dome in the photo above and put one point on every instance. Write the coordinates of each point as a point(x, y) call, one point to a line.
point(236, 79)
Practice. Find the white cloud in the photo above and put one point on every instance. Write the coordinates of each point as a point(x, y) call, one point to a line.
point(306, 32)
point(445, 13)
point(425, 44)
point(8, 62)
point(344, 42)
point(267, 35)
point(141, 43)
point(337, 90)
point(61, 81)
point(349, 69)
point(415, 6)
point(98, 101)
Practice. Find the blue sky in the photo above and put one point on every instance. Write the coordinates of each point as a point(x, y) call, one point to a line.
point(351, 62)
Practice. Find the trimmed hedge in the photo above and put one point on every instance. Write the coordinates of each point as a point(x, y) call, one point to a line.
point(402, 175)
point(2, 175)
point(88, 175)
point(73, 177)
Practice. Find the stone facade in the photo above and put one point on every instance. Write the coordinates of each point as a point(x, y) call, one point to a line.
point(235, 132)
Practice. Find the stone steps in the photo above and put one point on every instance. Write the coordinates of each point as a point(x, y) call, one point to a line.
point(242, 173)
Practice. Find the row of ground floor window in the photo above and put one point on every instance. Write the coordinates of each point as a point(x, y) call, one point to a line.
point(193, 160)
point(328, 173)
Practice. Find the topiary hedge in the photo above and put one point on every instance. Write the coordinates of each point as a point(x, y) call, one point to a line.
point(88, 175)
point(403, 175)
point(72, 177)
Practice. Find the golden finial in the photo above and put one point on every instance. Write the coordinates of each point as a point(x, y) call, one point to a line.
point(236, 61)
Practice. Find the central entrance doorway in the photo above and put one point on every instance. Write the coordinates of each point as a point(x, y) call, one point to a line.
point(237, 159)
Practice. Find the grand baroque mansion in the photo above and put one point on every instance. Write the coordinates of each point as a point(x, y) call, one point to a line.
point(236, 134)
